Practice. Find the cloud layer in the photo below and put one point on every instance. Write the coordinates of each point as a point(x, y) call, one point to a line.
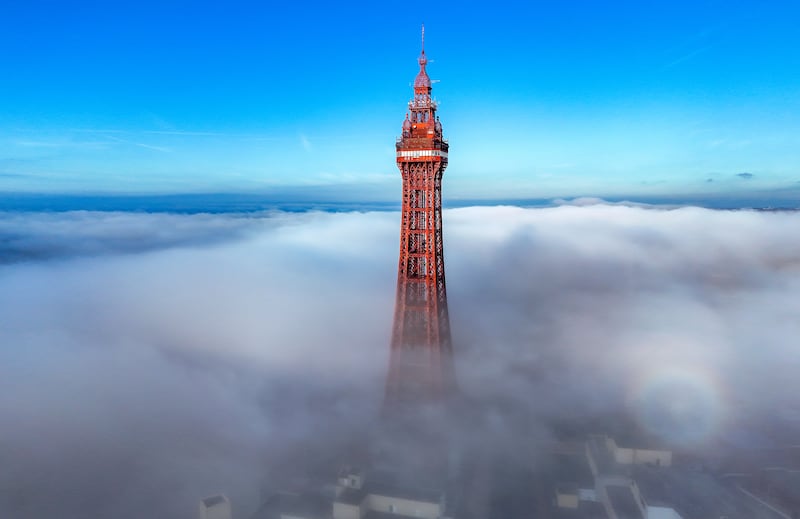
point(150, 360)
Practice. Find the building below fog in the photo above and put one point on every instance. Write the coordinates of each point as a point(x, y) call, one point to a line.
point(601, 480)
point(383, 496)
point(359, 494)
point(215, 507)
point(607, 489)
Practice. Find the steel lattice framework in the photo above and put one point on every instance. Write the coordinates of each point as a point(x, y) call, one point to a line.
point(420, 366)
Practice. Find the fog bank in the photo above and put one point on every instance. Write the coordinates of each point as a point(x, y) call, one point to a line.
point(149, 360)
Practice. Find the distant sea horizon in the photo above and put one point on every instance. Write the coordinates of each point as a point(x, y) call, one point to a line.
point(217, 203)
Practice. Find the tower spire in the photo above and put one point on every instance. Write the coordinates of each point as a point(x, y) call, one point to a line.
point(422, 83)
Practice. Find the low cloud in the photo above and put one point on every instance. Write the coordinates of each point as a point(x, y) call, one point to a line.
point(151, 360)
point(587, 201)
point(36, 236)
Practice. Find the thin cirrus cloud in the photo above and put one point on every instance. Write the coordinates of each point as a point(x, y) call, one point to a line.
point(153, 359)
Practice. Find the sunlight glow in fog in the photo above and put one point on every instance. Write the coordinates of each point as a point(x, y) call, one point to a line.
point(682, 407)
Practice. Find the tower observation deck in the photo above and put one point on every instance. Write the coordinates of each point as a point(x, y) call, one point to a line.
point(421, 366)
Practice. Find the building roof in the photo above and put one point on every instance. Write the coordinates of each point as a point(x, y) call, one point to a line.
point(623, 501)
point(572, 470)
point(392, 484)
point(404, 492)
point(311, 506)
point(585, 510)
point(351, 496)
point(374, 514)
point(214, 500)
point(603, 458)
point(696, 494)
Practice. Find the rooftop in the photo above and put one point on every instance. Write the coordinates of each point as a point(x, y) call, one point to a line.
point(585, 510)
point(214, 500)
point(624, 502)
point(298, 505)
point(696, 494)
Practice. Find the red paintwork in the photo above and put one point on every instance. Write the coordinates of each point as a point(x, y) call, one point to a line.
point(420, 367)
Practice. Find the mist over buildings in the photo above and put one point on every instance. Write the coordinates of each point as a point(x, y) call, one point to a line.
point(149, 360)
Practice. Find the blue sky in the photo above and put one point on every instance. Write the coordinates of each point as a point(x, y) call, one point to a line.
point(538, 100)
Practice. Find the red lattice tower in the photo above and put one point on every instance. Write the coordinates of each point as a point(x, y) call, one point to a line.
point(420, 368)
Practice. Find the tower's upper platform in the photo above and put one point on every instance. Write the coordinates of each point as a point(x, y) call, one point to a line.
point(422, 138)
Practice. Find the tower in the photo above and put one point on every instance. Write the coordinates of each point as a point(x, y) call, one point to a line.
point(420, 366)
